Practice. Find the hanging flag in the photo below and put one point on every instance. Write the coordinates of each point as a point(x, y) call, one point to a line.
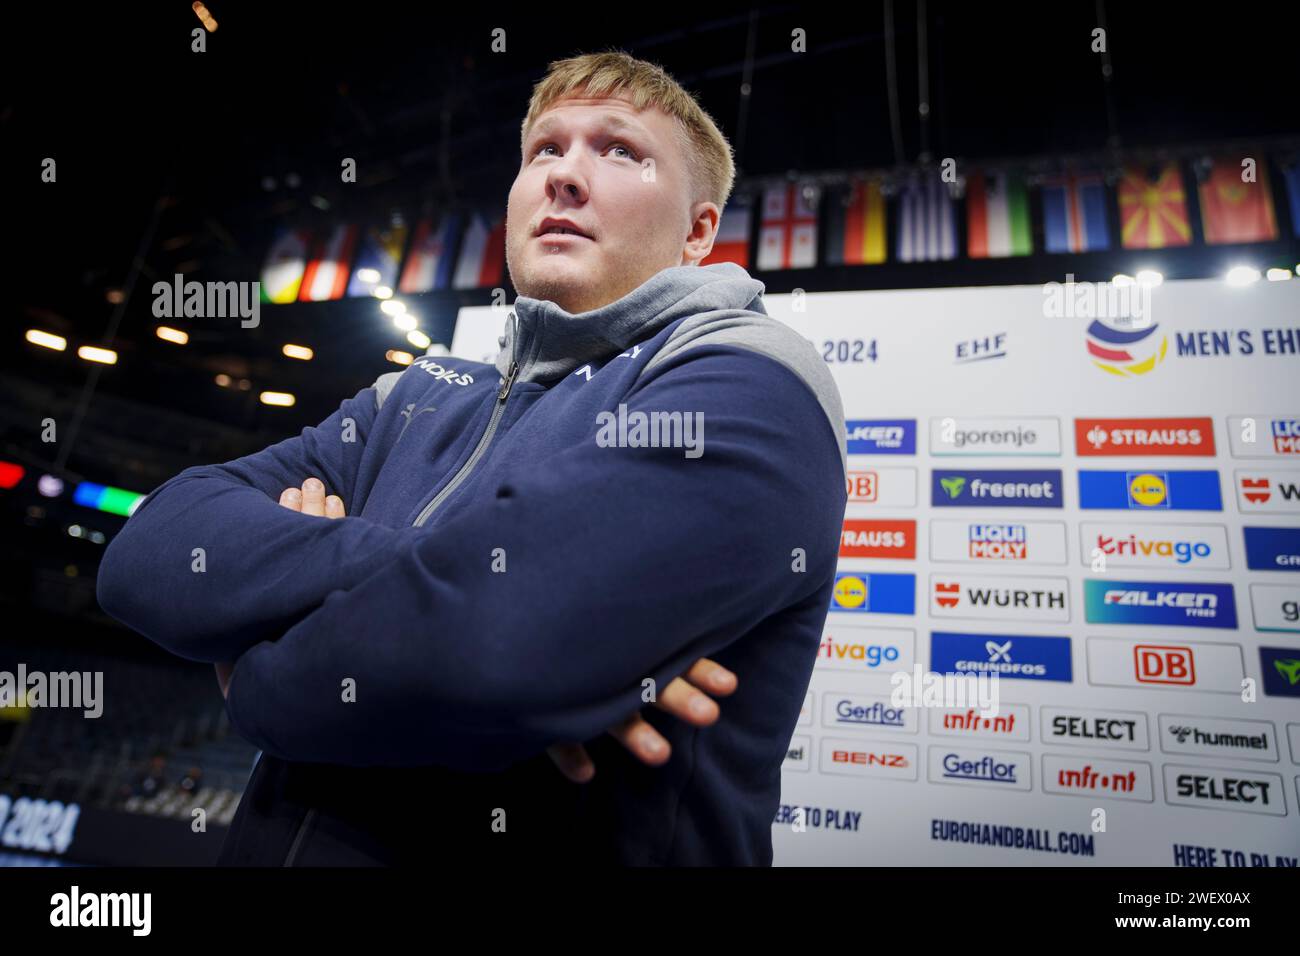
point(429, 263)
point(285, 262)
point(1291, 176)
point(1153, 208)
point(1236, 211)
point(927, 222)
point(731, 244)
point(380, 251)
point(855, 223)
point(326, 275)
point(788, 238)
point(1074, 213)
point(997, 216)
point(482, 257)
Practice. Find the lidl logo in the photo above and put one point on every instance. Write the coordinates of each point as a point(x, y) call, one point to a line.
point(874, 593)
point(1010, 488)
point(1126, 352)
point(1159, 602)
point(1150, 490)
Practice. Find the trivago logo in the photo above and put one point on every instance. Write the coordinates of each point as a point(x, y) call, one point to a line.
point(1009, 488)
point(881, 436)
point(1150, 490)
point(1143, 436)
point(1155, 545)
point(874, 593)
point(1159, 602)
point(1126, 352)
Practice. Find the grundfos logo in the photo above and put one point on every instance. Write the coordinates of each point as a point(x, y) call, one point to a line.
point(443, 374)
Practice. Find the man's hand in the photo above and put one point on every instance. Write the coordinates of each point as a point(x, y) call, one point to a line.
point(686, 698)
point(310, 499)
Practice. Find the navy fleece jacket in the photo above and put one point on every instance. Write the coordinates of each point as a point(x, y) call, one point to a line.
point(507, 577)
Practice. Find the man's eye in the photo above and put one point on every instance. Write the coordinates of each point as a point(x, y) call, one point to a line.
point(630, 152)
point(539, 149)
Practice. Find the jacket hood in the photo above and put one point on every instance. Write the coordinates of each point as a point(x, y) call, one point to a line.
point(548, 343)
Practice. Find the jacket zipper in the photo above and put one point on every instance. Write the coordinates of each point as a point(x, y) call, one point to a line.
point(503, 393)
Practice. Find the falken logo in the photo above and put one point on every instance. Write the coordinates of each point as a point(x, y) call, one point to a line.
point(443, 374)
point(1142, 602)
point(881, 436)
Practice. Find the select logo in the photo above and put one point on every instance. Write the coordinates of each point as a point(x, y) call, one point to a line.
point(1150, 490)
point(1271, 491)
point(882, 487)
point(856, 593)
point(1192, 546)
point(998, 543)
point(1159, 602)
point(886, 760)
point(980, 768)
point(1192, 666)
point(881, 436)
point(1007, 655)
point(1276, 607)
point(1098, 729)
point(1264, 436)
point(1272, 549)
point(1143, 436)
point(995, 489)
point(1093, 777)
point(990, 437)
point(1015, 598)
point(1209, 788)
point(870, 538)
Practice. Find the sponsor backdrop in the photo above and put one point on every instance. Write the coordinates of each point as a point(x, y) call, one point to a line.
point(1104, 512)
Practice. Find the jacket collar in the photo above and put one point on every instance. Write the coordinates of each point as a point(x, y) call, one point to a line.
point(548, 343)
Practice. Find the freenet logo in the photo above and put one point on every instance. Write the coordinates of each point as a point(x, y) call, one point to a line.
point(996, 489)
point(881, 436)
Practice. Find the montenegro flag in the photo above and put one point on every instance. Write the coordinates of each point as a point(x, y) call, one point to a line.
point(1237, 211)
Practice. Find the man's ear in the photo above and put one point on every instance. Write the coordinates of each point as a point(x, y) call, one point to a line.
point(704, 228)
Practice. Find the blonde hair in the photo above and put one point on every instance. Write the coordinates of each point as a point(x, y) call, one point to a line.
point(710, 168)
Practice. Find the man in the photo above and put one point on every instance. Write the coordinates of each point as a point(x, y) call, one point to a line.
point(524, 562)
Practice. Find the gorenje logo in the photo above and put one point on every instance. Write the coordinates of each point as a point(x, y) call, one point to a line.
point(1264, 436)
point(1143, 436)
point(1150, 490)
point(995, 489)
point(995, 436)
point(878, 436)
point(1007, 655)
point(1159, 602)
point(1269, 491)
point(1156, 545)
point(1017, 598)
point(1276, 607)
point(865, 538)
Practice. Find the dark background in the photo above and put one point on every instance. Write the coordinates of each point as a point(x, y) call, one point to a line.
point(184, 160)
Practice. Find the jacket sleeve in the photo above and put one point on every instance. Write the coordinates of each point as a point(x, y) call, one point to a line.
point(612, 565)
point(262, 567)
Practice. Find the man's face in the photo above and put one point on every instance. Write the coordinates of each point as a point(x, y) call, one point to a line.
point(584, 162)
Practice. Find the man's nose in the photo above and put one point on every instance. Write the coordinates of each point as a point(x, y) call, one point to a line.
point(566, 180)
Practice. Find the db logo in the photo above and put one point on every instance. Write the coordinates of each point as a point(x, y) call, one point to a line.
point(862, 485)
point(1158, 664)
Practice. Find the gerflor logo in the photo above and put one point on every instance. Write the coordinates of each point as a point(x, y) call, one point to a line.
point(652, 430)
